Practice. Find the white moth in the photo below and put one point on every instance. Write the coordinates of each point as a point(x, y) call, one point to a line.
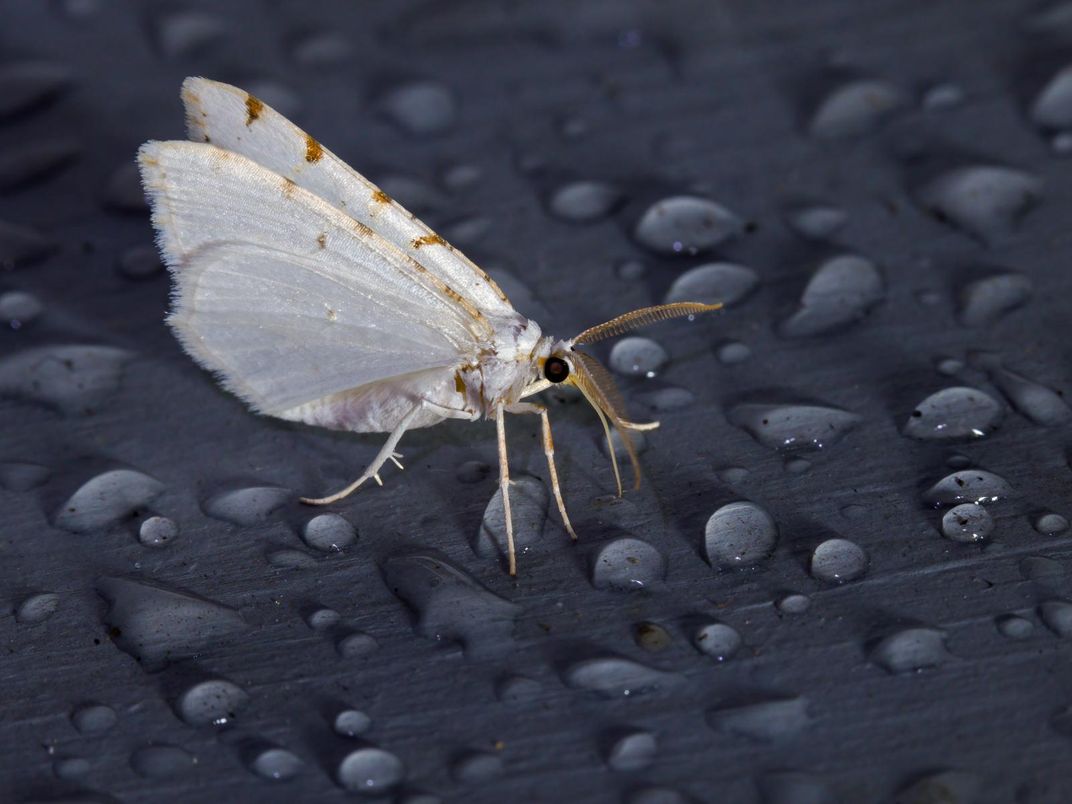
point(314, 297)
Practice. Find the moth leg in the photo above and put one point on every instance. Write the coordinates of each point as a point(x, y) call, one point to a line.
point(373, 470)
point(549, 453)
point(504, 486)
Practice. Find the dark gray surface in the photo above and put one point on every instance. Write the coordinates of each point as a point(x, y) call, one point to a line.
point(657, 99)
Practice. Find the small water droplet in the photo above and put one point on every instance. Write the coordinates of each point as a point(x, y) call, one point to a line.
point(473, 471)
point(731, 353)
point(421, 107)
point(717, 640)
point(1014, 626)
point(685, 225)
point(93, 718)
point(584, 201)
point(794, 604)
point(275, 764)
point(329, 533)
point(797, 465)
point(943, 96)
point(356, 645)
point(246, 506)
point(856, 108)
point(631, 750)
point(215, 701)
point(473, 767)
point(161, 761)
point(321, 618)
point(321, 49)
point(985, 300)
point(954, 414)
point(71, 768)
point(732, 475)
point(140, 262)
point(461, 177)
point(664, 400)
point(838, 561)
point(739, 534)
point(1050, 524)
point(369, 770)
point(967, 485)
point(713, 283)
point(529, 501)
point(630, 270)
point(793, 426)
point(967, 522)
point(637, 356)
point(839, 293)
point(351, 723)
point(615, 676)
point(187, 33)
point(762, 719)
point(652, 637)
point(157, 531)
point(1057, 616)
point(816, 221)
point(627, 564)
point(986, 201)
point(910, 649)
point(19, 309)
point(37, 608)
point(517, 689)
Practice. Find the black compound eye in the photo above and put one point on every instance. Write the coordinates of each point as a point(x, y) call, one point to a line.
point(555, 369)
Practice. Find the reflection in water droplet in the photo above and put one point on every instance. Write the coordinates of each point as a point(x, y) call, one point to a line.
point(713, 283)
point(1057, 616)
point(983, 301)
point(351, 723)
point(954, 414)
point(986, 201)
point(764, 720)
point(967, 485)
point(793, 427)
point(161, 761)
point(685, 225)
point(910, 650)
point(275, 764)
point(329, 533)
point(369, 770)
point(733, 352)
point(817, 221)
point(215, 701)
point(584, 201)
point(855, 108)
point(19, 309)
point(157, 531)
point(632, 750)
point(840, 292)
point(1014, 627)
point(838, 561)
point(246, 506)
point(967, 522)
point(37, 608)
point(740, 534)
point(636, 356)
point(627, 564)
point(477, 766)
point(717, 640)
point(93, 718)
point(1050, 524)
point(794, 604)
point(421, 107)
point(107, 499)
point(615, 676)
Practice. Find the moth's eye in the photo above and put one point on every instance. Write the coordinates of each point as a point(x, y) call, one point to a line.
point(555, 369)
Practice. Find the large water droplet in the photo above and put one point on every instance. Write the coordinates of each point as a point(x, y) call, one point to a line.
point(793, 427)
point(473, 767)
point(584, 201)
point(215, 701)
point(72, 379)
point(246, 506)
point(910, 649)
point(627, 564)
point(717, 640)
point(712, 283)
point(275, 764)
point(528, 506)
point(838, 561)
point(985, 300)
point(450, 603)
point(155, 624)
point(637, 356)
point(967, 522)
point(615, 676)
point(37, 608)
point(93, 718)
point(107, 499)
point(421, 107)
point(954, 414)
point(855, 108)
point(986, 201)
point(762, 719)
point(161, 761)
point(329, 533)
point(967, 485)
point(370, 770)
point(794, 603)
point(1050, 524)
point(27, 86)
point(740, 534)
point(841, 291)
point(631, 750)
point(1041, 405)
point(685, 225)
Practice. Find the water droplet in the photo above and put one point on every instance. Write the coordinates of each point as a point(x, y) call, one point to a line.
point(1057, 616)
point(461, 177)
point(369, 770)
point(421, 107)
point(717, 640)
point(1052, 108)
point(986, 201)
point(161, 761)
point(275, 764)
point(943, 96)
point(123, 191)
point(630, 270)
point(637, 356)
point(1041, 405)
point(631, 750)
point(794, 604)
point(473, 767)
point(797, 465)
point(949, 366)
point(322, 618)
point(638, 440)
point(287, 558)
point(450, 603)
point(183, 34)
point(140, 262)
point(1041, 569)
point(740, 534)
point(1050, 524)
point(626, 564)
point(93, 718)
point(321, 49)
point(732, 475)
point(21, 166)
point(356, 645)
point(793, 427)
point(985, 300)
point(351, 723)
point(942, 787)
point(615, 676)
point(329, 533)
point(1014, 627)
point(909, 650)
point(528, 506)
point(1061, 144)
point(664, 400)
point(816, 221)
point(71, 769)
point(838, 561)
point(761, 719)
point(71, 379)
point(107, 499)
point(652, 637)
point(27, 86)
point(967, 522)
point(731, 353)
point(19, 309)
point(215, 701)
point(954, 414)
point(712, 283)
point(856, 108)
point(21, 245)
point(685, 225)
point(967, 485)
point(473, 471)
point(652, 794)
point(155, 624)
point(517, 689)
point(584, 201)
point(246, 506)
point(793, 787)
point(841, 292)
point(37, 608)
point(157, 531)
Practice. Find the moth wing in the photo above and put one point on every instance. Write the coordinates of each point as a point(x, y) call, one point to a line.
point(284, 297)
point(231, 118)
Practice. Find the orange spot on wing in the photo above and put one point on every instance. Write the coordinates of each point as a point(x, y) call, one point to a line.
point(380, 197)
point(428, 240)
point(322, 239)
point(313, 149)
point(288, 187)
point(459, 383)
point(254, 107)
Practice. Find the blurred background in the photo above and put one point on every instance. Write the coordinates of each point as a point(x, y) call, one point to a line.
point(844, 578)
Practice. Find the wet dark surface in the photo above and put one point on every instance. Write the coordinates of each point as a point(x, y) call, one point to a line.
point(882, 613)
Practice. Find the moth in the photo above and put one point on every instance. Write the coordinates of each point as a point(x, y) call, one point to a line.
point(316, 298)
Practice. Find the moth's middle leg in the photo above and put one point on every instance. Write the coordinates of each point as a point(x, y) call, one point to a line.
point(549, 453)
